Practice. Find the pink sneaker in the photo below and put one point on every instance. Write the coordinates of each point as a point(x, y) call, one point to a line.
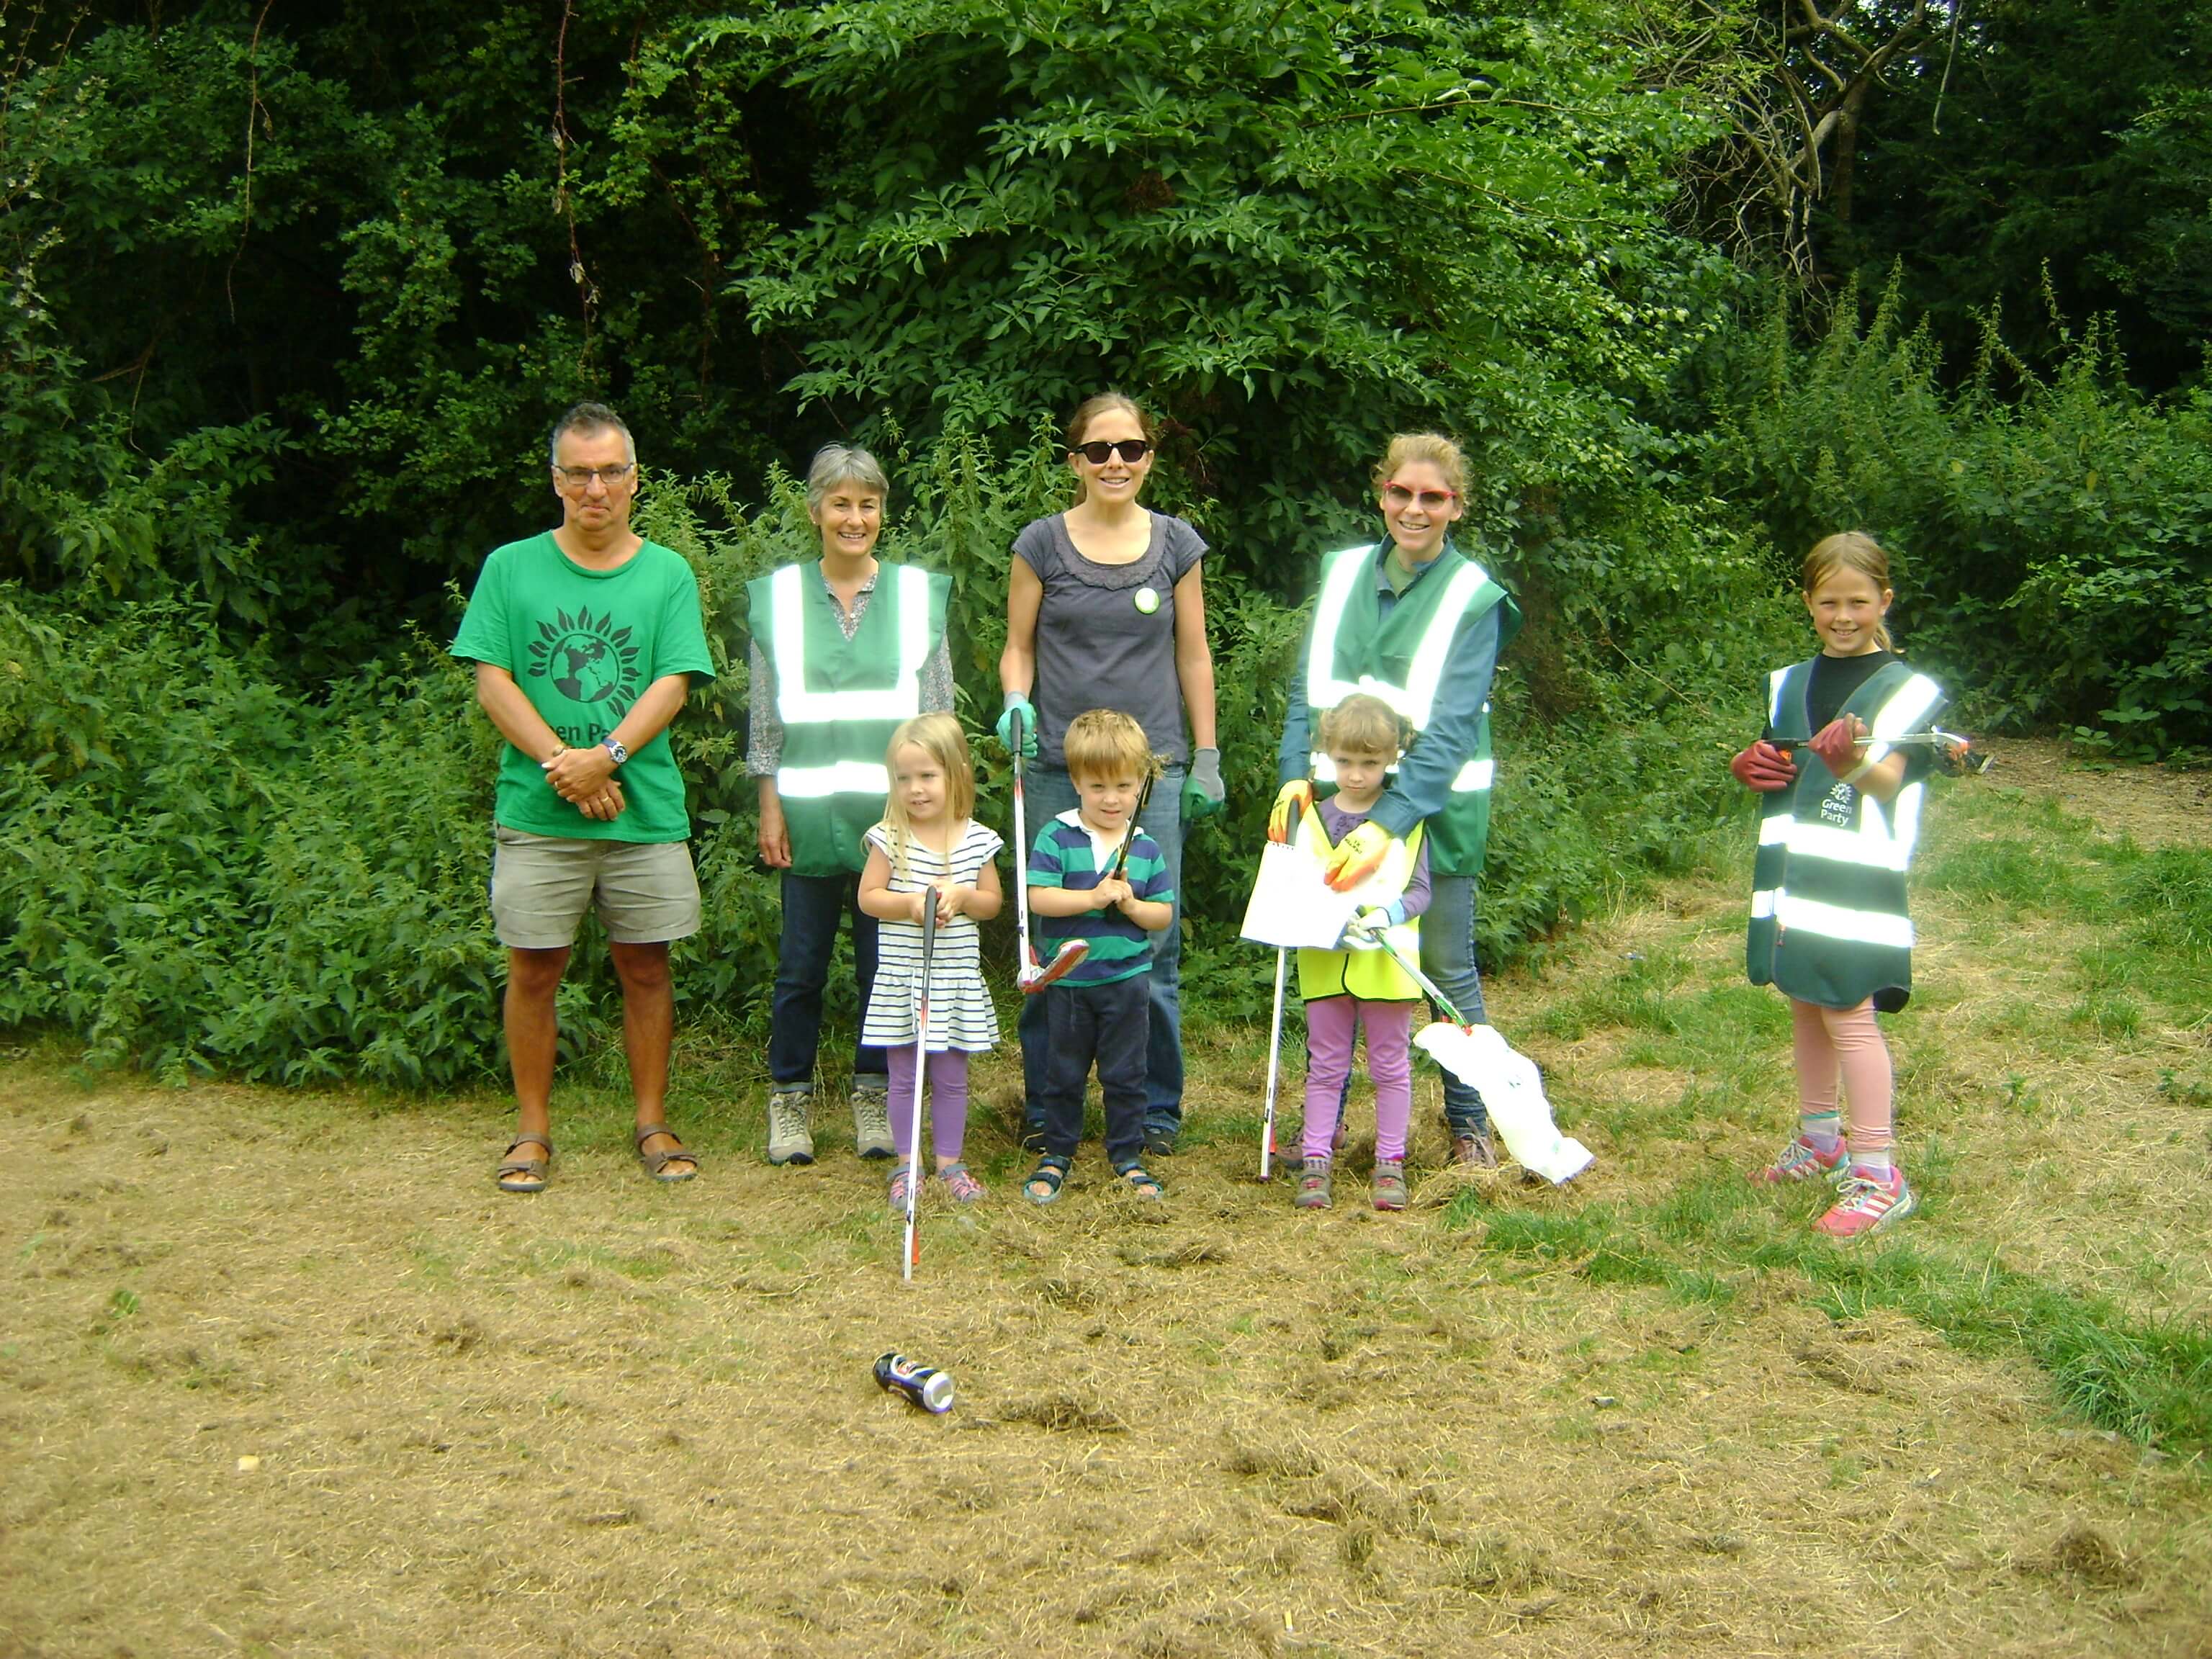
point(1801, 1160)
point(1867, 1203)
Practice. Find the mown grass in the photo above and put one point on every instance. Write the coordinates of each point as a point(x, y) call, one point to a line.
point(2132, 961)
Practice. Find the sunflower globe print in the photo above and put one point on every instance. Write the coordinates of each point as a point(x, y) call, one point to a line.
point(589, 660)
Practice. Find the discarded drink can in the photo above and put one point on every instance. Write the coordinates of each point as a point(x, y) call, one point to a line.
point(924, 1385)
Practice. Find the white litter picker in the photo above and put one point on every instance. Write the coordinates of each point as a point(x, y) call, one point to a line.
point(1508, 1081)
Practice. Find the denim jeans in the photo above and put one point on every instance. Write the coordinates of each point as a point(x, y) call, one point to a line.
point(1104, 1024)
point(814, 906)
point(1447, 957)
point(1049, 791)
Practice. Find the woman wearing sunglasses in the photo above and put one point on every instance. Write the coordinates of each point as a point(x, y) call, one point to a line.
point(1105, 610)
point(1411, 621)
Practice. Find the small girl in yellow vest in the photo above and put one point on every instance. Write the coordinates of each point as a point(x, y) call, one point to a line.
point(1346, 989)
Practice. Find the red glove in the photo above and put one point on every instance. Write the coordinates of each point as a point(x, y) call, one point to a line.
point(1840, 743)
point(1764, 768)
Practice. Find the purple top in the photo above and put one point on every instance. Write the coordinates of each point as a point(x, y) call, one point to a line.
point(1105, 633)
point(1337, 822)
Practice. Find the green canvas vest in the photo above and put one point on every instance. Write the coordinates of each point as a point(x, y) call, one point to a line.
point(1368, 974)
point(840, 700)
point(1828, 920)
point(1401, 659)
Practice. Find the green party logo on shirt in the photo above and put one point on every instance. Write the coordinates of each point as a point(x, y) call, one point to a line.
point(588, 660)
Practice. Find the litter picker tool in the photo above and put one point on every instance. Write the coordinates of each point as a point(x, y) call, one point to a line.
point(1275, 1037)
point(1129, 837)
point(1031, 974)
point(1954, 752)
point(912, 1251)
point(1511, 1088)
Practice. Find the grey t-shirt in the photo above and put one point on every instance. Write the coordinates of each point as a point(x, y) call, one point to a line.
point(1098, 646)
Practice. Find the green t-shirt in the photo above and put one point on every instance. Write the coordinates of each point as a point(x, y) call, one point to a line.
point(583, 645)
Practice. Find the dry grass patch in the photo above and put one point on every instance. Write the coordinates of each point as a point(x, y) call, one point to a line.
point(282, 1375)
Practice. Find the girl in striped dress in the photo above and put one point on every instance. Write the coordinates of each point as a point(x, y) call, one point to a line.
point(928, 850)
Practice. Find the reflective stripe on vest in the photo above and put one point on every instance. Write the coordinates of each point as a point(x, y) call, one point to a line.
point(1416, 699)
point(838, 778)
point(900, 700)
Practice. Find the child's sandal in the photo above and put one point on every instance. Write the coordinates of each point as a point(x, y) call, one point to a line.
point(1142, 1181)
point(960, 1183)
point(1044, 1182)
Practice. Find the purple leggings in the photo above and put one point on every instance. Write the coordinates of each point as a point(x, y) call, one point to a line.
point(1332, 1025)
point(948, 1100)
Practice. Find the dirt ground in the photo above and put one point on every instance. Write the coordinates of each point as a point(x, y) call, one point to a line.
point(283, 1375)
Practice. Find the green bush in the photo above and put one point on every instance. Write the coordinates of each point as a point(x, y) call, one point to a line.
point(2054, 543)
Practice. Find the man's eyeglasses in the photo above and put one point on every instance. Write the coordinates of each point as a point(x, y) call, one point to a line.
point(1431, 500)
point(1097, 451)
point(580, 477)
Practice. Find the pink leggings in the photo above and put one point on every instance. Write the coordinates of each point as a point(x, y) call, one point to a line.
point(1332, 1025)
point(1845, 1043)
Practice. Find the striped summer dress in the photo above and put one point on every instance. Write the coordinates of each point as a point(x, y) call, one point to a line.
point(960, 1011)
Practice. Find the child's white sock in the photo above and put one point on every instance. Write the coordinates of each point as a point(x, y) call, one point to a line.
point(1873, 1163)
point(1820, 1129)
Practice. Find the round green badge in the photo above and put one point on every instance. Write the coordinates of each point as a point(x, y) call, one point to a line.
point(1147, 600)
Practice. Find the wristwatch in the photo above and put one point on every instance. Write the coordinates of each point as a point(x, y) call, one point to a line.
point(613, 748)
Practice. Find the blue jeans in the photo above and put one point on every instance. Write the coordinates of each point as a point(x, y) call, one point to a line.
point(1049, 791)
point(1447, 957)
point(813, 906)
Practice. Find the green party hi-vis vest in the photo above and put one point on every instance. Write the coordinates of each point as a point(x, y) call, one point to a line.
point(1371, 976)
point(840, 700)
point(1828, 922)
point(1401, 659)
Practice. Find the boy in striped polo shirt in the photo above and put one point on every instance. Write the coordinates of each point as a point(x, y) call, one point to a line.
point(1097, 1013)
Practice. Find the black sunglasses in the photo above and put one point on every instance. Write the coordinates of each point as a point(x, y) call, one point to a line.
point(1097, 451)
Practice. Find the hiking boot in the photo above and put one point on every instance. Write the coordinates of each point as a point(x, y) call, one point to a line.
point(1867, 1203)
point(1159, 1143)
point(1472, 1148)
point(1389, 1188)
point(1800, 1160)
point(1313, 1185)
point(790, 1126)
point(872, 1121)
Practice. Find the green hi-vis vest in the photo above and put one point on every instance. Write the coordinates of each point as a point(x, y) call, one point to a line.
point(1828, 922)
point(1370, 975)
point(840, 700)
point(1401, 659)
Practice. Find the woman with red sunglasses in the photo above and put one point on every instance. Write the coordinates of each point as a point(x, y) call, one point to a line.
point(1411, 620)
point(1105, 610)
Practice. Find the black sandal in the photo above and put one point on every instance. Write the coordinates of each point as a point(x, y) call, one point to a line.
point(1051, 1170)
point(1142, 1182)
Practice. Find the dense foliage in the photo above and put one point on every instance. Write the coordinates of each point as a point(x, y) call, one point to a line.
point(289, 301)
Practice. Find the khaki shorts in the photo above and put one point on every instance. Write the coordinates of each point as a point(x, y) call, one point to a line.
point(645, 892)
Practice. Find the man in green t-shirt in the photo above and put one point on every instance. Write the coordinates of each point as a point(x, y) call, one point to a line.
point(587, 640)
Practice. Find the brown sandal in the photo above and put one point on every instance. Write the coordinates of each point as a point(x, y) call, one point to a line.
point(656, 1164)
point(531, 1169)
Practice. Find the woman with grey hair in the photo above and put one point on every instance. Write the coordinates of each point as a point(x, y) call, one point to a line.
point(843, 649)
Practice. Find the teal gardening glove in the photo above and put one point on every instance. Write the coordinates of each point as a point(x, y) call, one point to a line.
point(1202, 793)
point(1018, 708)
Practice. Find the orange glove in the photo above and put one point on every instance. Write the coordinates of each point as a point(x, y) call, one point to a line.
point(1358, 856)
point(1296, 796)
